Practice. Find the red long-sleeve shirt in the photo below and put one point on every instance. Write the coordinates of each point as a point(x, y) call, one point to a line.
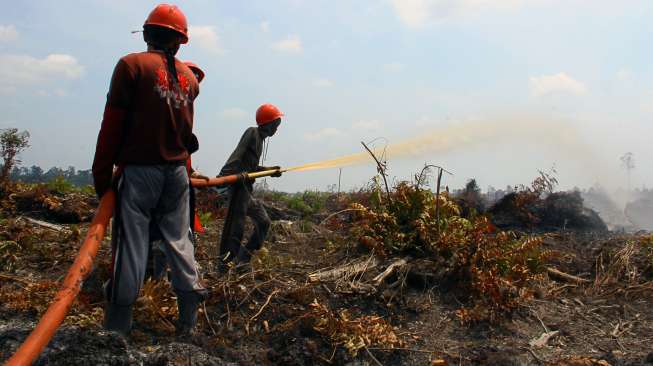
point(146, 120)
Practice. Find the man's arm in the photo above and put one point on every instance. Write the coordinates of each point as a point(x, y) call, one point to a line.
point(235, 163)
point(111, 133)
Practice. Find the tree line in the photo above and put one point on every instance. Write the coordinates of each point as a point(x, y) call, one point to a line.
point(36, 174)
point(12, 143)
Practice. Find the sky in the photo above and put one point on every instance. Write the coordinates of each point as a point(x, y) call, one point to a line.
point(489, 89)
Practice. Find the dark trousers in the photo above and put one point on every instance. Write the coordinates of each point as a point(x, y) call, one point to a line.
point(241, 205)
point(149, 193)
point(157, 263)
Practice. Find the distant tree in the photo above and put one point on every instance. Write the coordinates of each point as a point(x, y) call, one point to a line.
point(472, 187)
point(628, 163)
point(83, 178)
point(70, 173)
point(35, 174)
point(546, 183)
point(54, 173)
point(12, 143)
point(470, 199)
point(18, 172)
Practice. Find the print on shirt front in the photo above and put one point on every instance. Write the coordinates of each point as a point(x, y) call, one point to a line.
point(179, 96)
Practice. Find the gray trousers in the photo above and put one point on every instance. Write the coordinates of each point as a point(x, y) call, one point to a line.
point(241, 205)
point(157, 193)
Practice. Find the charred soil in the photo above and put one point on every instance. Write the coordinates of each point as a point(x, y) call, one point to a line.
point(317, 295)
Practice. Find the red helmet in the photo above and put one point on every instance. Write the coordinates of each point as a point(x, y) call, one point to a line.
point(171, 17)
point(267, 113)
point(195, 69)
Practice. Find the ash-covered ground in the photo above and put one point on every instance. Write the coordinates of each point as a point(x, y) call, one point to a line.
point(327, 290)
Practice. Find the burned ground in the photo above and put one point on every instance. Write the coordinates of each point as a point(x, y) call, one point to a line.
point(316, 295)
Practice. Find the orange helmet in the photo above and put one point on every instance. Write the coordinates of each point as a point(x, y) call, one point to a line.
point(267, 113)
point(195, 69)
point(171, 17)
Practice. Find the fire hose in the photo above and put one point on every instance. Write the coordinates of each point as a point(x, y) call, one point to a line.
point(54, 316)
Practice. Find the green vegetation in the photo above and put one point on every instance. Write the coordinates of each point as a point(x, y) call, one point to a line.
point(307, 203)
point(495, 268)
point(60, 185)
point(205, 217)
point(12, 143)
point(646, 243)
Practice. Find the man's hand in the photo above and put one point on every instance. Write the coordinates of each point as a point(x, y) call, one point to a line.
point(277, 174)
point(198, 175)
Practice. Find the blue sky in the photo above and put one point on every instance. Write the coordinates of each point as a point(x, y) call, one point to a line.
point(576, 76)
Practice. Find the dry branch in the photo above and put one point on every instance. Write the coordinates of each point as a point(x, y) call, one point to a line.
point(390, 270)
point(349, 269)
point(338, 213)
point(44, 224)
point(543, 339)
point(13, 278)
point(381, 168)
point(561, 276)
point(260, 310)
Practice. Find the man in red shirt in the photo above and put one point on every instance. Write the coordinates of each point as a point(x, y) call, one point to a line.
point(147, 132)
point(157, 251)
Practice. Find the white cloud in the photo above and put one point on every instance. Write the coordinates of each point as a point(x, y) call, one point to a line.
point(265, 26)
point(323, 133)
point(206, 37)
point(59, 92)
point(555, 84)
point(23, 69)
point(8, 33)
point(412, 12)
point(367, 126)
point(7, 90)
point(290, 44)
point(394, 66)
point(357, 128)
point(420, 13)
point(624, 75)
point(322, 83)
point(234, 114)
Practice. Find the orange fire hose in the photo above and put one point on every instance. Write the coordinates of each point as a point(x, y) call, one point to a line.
point(54, 316)
point(50, 321)
point(232, 179)
point(214, 182)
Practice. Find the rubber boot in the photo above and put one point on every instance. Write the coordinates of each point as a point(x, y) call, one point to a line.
point(221, 266)
point(243, 260)
point(244, 255)
point(118, 318)
point(188, 303)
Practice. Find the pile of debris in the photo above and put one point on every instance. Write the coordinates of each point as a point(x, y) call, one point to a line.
point(526, 210)
point(41, 201)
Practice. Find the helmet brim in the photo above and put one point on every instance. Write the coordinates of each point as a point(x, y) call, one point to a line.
point(184, 37)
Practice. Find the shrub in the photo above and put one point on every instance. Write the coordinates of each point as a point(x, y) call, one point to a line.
point(205, 217)
point(495, 268)
point(354, 334)
point(60, 185)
